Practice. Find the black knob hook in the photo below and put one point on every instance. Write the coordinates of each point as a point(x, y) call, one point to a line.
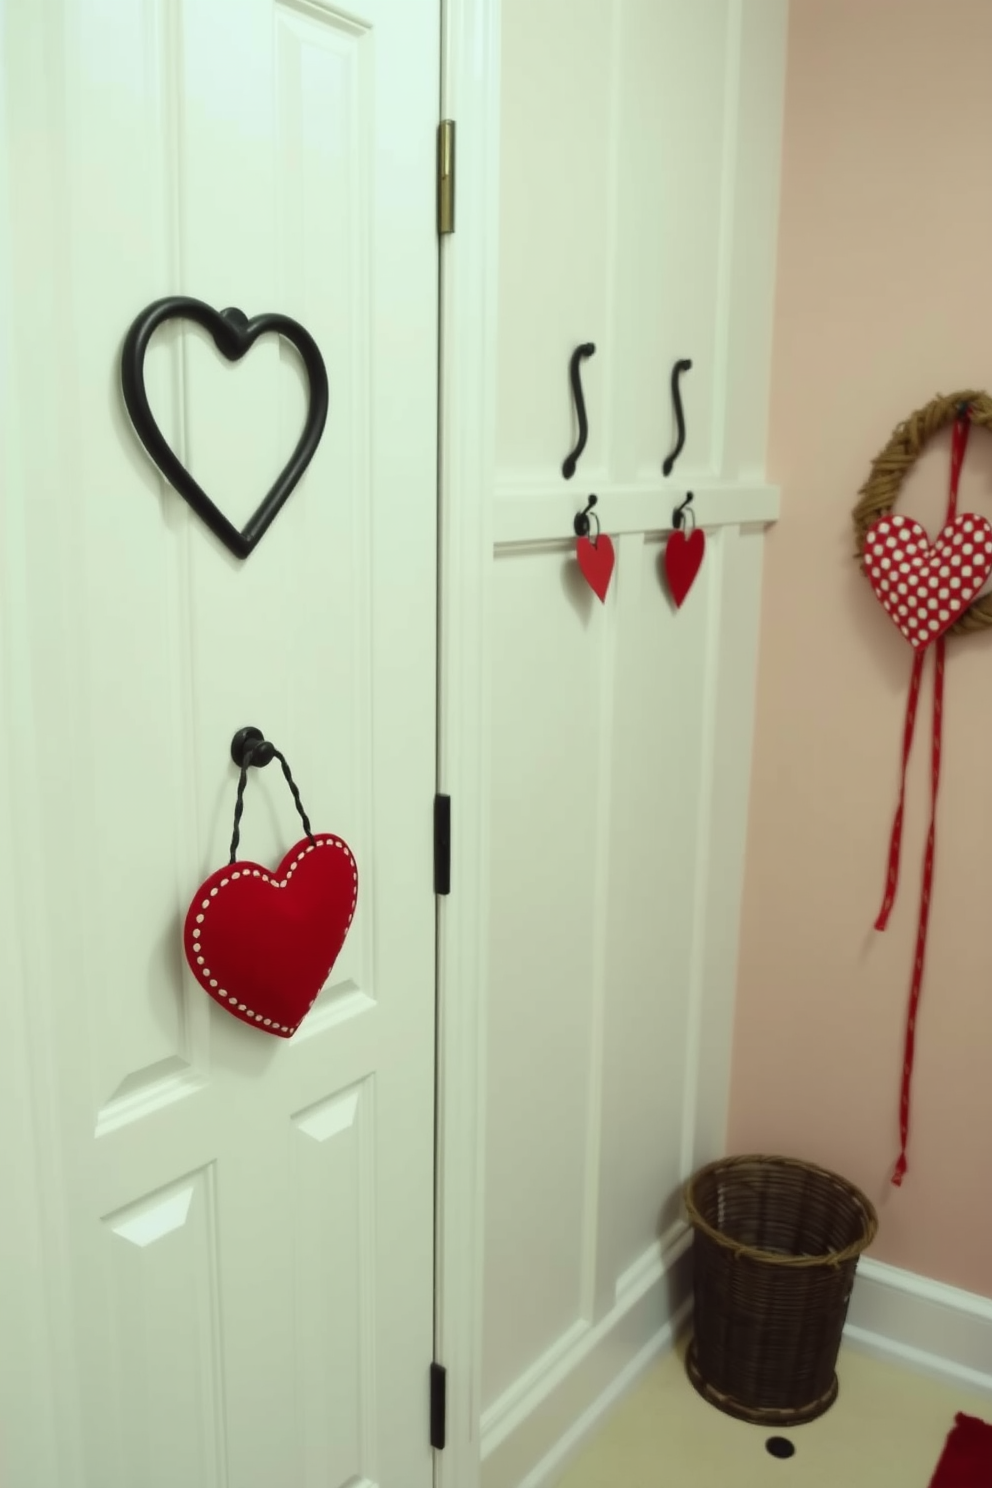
point(681, 366)
point(581, 523)
point(683, 513)
point(575, 376)
point(250, 745)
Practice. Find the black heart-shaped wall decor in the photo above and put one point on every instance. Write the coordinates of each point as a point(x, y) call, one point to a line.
point(233, 335)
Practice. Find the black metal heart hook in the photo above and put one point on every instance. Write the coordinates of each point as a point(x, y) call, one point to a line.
point(681, 366)
point(233, 335)
point(587, 349)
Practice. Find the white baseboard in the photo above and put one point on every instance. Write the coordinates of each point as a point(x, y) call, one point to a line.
point(532, 1430)
point(923, 1325)
point(545, 1417)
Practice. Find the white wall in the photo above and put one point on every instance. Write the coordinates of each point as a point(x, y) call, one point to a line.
point(639, 176)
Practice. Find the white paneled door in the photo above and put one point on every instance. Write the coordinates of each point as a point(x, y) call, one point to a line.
point(216, 1247)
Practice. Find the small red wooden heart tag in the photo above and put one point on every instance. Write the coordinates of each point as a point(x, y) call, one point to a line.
point(683, 558)
point(925, 588)
point(596, 561)
point(263, 944)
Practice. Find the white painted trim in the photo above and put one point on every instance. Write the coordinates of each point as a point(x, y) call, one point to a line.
point(529, 1389)
point(731, 671)
point(606, 715)
point(575, 1345)
point(728, 221)
point(470, 79)
point(927, 1326)
point(568, 1352)
point(656, 1262)
point(525, 514)
point(43, 1432)
point(695, 1022)
point(546, 1415)
point(587, 1424)
point(753, 208)
point(901, 1318)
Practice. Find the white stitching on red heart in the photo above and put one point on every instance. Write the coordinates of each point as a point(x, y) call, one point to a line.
point(203, 972)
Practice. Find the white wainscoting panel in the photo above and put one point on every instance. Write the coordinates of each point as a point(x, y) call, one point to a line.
point(639, 156)
point(530, 1432)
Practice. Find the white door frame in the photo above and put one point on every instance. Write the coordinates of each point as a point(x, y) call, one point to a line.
point(467, 410)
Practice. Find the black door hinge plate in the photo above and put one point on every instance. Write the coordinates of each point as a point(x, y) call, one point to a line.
point(442, 844)
point(439, 1406)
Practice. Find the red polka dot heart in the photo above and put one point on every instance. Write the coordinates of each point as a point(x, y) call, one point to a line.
point(925, 587)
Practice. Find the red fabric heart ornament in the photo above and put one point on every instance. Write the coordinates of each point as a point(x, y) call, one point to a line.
point(263, 944)
point(683, 560)
point(596, 560)
point(926, 588)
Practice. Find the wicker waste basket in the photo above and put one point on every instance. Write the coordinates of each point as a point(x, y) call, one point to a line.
point(775, 1250)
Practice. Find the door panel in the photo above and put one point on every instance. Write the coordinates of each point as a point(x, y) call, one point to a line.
point(241, 1226)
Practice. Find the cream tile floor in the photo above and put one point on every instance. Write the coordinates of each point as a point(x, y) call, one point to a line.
point(886, 1430)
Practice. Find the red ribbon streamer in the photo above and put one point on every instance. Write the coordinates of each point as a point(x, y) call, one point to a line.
point(959, 444)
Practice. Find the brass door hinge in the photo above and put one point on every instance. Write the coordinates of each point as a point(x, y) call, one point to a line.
point(446, 177)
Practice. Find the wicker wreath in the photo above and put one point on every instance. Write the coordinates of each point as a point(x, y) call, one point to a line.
point(878, 495)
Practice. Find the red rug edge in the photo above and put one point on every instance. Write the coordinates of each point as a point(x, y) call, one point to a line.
point(966, 1461)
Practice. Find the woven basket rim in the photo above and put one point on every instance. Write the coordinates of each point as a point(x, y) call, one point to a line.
point(771, 1257)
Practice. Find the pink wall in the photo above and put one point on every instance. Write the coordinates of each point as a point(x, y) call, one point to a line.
point(885, 267)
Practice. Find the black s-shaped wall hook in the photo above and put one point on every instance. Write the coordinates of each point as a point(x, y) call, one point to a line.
point(681, 366)
point(575, 376)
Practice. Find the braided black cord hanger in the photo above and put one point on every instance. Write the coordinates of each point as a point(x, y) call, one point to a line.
point(240, 802)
